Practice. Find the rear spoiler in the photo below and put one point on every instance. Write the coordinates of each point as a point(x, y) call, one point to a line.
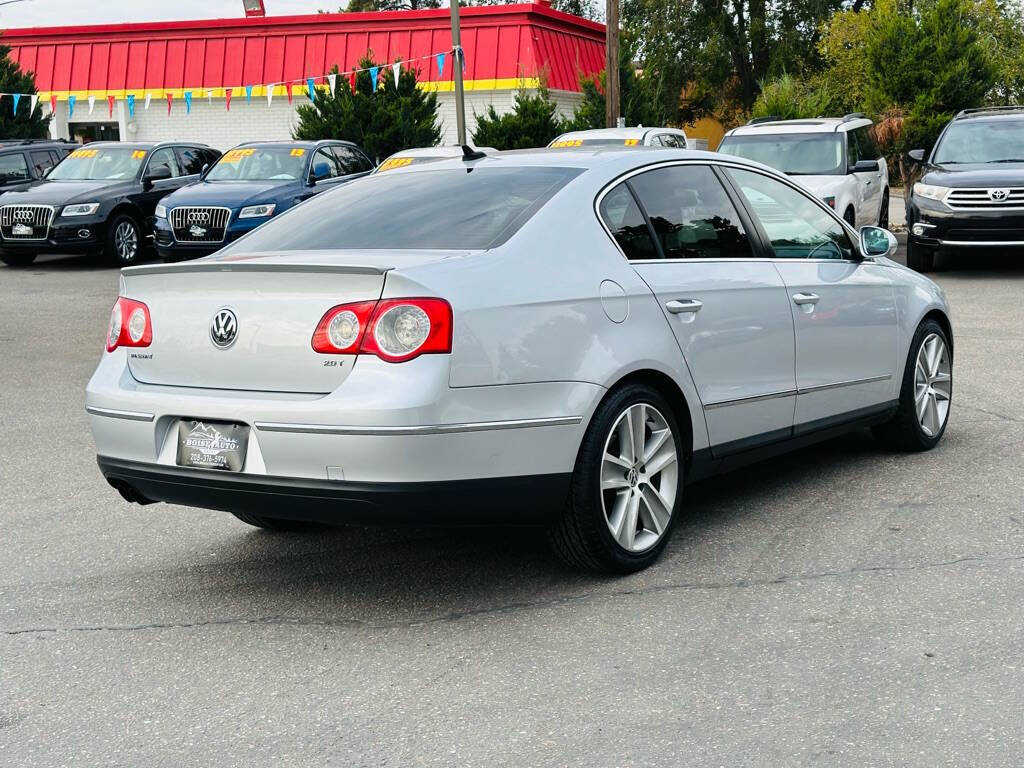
point(242, 266)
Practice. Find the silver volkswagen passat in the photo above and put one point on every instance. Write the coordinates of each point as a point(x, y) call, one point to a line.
point(564, 338)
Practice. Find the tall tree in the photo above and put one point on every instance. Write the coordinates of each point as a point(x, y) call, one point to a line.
point(26, 123)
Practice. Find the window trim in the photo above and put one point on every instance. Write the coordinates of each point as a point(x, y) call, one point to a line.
point(717, 163)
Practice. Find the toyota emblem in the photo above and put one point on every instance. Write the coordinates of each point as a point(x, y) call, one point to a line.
point(198, 217)
point(998, 195)
point(224, 328)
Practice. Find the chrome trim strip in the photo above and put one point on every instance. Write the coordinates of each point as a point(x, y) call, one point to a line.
point(984, 243)
point(228, 266)
point(113, 413)
point(426, 429)
point(791, 392)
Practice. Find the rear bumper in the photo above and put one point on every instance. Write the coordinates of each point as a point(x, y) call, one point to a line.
point(523, 499)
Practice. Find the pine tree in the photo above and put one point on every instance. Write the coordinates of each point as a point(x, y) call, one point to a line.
point(533, 122)
point(20, 124)
point(382, 123)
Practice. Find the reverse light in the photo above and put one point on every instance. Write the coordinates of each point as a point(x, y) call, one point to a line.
point(80, 209)
point(130, 325)
point(395, 330)
point(931, 191)
point(257, 211)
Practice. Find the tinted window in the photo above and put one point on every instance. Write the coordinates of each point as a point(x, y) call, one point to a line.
point(691, 215)
point(975, 140)
point(13, 168)
point(163, 158)
point(351, 160)
point(797, 227)
point(669, 140)
point(433, 209)
point(42, 161)
point(792, 153)
point(866, 144)
point(852, 150)
point(191, 159)
point(211, 155)
point(324, 166)
point(622, 216)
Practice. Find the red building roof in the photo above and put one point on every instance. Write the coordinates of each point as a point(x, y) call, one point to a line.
point(505, 46)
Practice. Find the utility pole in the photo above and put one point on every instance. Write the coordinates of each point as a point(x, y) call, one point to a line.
point(611, 72)
point(460, 96)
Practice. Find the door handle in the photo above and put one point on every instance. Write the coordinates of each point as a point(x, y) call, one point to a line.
point(682, 306)
point(868, 182)
point(805, 298)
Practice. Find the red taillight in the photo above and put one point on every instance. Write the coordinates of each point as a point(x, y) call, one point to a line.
point(130, 325)
point(394, 330)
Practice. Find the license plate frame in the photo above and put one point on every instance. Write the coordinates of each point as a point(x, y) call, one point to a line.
point(213, 445)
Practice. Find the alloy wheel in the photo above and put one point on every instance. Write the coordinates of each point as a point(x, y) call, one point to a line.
point(933, 385)
point(639, 477)
point(126, 241)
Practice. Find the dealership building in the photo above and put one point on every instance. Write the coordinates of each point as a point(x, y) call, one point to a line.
point(226, 81)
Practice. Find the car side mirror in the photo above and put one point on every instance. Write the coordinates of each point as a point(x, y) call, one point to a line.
point(917, 155)
point(320, 171)
point(864, 166)
point(877, 243)
point(160, 173)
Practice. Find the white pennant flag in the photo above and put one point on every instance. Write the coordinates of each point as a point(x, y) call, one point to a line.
point(332, 79)
point(149, 98)
point(92, 103)
point(209, 97)
point(270, 93)
point(32, 103)
point(395, 68)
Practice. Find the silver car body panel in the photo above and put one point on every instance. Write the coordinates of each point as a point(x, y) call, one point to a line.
point(544, 326)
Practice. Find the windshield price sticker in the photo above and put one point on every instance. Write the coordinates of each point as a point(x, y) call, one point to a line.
point(631, 142)
point(395, 162)
point(234, 155)
point(297, 152)
point(85, 153)
point(567, 143)
point(138, 154)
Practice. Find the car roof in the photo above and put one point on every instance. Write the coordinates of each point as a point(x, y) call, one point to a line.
point(760, 127)
point(990, 113)
point(448, 150)
point(616, 133)
point(304, 143)
point(142, 144)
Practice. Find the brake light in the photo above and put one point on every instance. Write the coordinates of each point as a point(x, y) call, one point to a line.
point(395, 330)
point(130, 325)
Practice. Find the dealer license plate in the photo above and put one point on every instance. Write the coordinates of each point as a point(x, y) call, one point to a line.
point(212, 444)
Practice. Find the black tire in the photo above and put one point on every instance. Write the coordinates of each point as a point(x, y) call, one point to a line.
point(920, 258)
point(112, 255)
point(883, 212)
point(581, 536)
point(17, 259)
point(275, 523)
point(904, 432)
point(850, 216)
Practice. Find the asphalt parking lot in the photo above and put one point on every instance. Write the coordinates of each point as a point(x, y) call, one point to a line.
point(840, 606)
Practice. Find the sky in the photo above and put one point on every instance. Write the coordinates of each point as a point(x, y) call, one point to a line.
point(36, 13)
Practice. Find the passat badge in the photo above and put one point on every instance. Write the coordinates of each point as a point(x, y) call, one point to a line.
point(224, 328)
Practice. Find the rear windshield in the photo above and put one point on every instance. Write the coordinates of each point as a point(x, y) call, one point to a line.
point(453, 208)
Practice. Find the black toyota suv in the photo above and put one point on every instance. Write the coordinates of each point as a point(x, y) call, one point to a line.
point(23, 161)
point(971, 192)
point(100, 199)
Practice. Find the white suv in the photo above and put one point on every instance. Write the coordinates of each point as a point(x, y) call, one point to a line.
point(836, 158)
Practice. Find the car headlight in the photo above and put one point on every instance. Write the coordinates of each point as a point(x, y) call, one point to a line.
point(161, 211)
point(257, 211)
point(931, 191)
point(80, 209)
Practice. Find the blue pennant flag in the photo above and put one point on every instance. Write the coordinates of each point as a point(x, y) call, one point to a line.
point(374, 71)
point(130, 98)
point(71, 105)
point(17, 98)
point(248, 93)
point(462, 59)
point(188, 102)
point(311, 89)
point(440, 65)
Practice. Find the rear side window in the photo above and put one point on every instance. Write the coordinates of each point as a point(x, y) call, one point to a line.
point(450, 208)
point(623, 217)
point(691, 214)
point(350, 160)
point(42, 160)
point(867, 147)
point(191, 160)
point(13, 168)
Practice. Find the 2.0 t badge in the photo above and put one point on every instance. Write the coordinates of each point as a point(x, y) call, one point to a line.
point(224, 328)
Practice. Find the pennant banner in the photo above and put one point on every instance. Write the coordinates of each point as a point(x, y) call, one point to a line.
point(311, 89)
point(188, 102)
point(352, 82)
point(130, 100)
point(110, 106)
point(170, 101)
point(71, 104)
point(396, 67)
point(248, 94)
point(17, 98)
point(149, 98)
point(374, 71)
point(289, 89)
point(32, 104)
point(53, 103)
point(92, 104)
point(440, 65)
point(227, 96)
point(270, 94)
point(332, 81)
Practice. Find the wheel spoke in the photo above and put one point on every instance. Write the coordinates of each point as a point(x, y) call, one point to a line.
point(613, 476)
point(637, 416)
point(922, 405)
point(933, 416)
point(664, 458)
point(627, 530)
point(658, 509)
point(658, 438)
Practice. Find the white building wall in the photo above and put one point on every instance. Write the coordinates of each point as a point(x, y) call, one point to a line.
point(211, 123)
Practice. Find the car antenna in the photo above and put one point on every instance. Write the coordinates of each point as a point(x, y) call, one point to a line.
point(468, 153)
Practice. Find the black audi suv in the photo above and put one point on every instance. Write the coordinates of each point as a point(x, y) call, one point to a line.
point(971, 193)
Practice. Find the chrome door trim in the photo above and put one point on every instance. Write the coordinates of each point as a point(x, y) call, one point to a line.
point(113, 413)
point(426, 429)
point(799, 391)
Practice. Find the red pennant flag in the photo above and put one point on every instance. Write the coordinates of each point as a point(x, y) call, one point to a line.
point(289, 93)
point(227, 95)
point(110, 106)
point(170, 99)
point(352, 81)
point(53, 102)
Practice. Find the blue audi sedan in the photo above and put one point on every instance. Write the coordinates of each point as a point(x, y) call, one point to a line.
point(246, 187)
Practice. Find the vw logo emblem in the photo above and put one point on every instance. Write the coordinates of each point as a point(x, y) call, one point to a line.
point(224, 328)
point(998, 195)
point(198, 217)
point(633, 478)
point(23, 215)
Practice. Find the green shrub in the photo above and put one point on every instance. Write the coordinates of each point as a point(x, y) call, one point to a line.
point(533, 122)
